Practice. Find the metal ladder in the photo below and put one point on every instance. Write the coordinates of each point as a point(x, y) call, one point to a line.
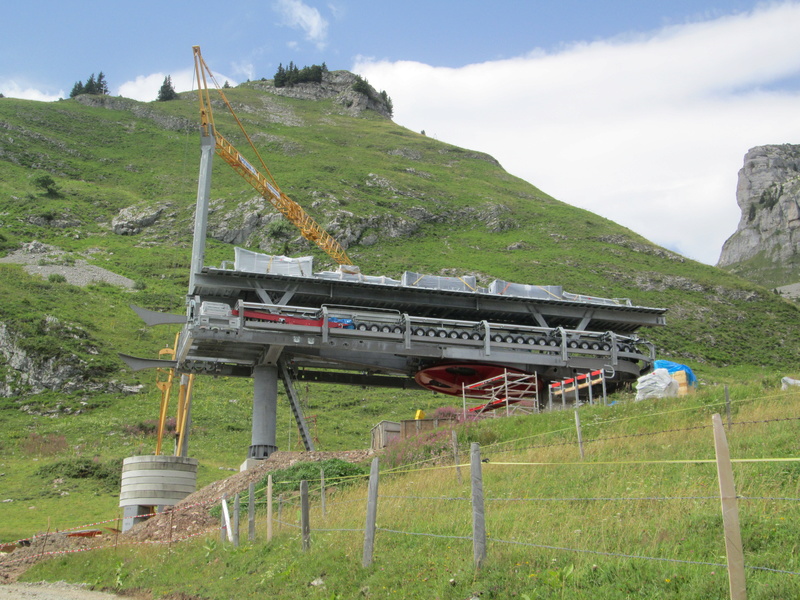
point(297, 410)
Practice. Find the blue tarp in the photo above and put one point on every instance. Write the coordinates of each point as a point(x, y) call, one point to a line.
point(672, 367)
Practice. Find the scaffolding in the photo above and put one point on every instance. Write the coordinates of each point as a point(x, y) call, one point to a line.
point(511, 389)
point(581, 381)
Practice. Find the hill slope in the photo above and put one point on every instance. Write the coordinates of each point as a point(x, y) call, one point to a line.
point(112, 182)
point(124, 174)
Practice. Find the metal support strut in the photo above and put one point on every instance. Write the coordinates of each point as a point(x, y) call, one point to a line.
point(297, 410)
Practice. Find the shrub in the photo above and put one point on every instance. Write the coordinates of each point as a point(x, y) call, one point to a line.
point(288, 480)
point(56, 278)
point(108, 473)
point(43, 445)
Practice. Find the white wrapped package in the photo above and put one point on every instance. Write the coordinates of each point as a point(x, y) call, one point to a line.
point(658, 384)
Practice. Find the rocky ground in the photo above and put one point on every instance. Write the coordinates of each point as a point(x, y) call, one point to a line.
point(41, 259)
point(50, 591)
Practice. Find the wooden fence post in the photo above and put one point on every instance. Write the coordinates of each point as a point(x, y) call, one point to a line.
point(269, 507)
point(578, 428)
point(322, 491)
point(251, 512)
point(236, 507)
point(478, 514)
point(455, 456)
point(730, 513)
point(304, 525)
point(372, 515)
point(728, 406)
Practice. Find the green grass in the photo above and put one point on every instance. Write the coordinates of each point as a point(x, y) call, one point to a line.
point(557, 527)
point(456, 212)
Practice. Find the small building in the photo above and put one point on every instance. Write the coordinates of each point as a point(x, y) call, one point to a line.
point(384, 433)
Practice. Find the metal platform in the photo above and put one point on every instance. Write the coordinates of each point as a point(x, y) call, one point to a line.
point(238, 320)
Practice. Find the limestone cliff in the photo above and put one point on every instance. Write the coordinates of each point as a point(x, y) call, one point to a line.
point(766, 245)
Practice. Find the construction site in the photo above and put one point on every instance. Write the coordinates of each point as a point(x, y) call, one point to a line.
point(503, 346)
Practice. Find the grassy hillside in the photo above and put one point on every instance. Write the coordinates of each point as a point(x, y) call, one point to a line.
point(401, 201)
point(638, 517)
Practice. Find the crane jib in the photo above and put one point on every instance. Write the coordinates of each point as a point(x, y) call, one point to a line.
point(309, 229)
point(247, 165)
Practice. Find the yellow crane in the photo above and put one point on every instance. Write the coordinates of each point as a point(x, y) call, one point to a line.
point(264, 185)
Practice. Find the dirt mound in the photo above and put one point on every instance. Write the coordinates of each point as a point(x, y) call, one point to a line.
point(188, 518)
point(191, 516)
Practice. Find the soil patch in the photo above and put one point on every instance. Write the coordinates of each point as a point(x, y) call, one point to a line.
point(188, 518)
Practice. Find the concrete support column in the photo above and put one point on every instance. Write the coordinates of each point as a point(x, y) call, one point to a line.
point(265, 412)
point(207, 147)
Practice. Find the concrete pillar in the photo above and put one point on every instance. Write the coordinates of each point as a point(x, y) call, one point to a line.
point(265, 412)
point(207, 147)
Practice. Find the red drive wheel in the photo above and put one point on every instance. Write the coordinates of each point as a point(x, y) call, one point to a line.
point(452, 378)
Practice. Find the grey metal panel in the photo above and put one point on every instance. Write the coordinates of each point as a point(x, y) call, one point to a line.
point(426, 302)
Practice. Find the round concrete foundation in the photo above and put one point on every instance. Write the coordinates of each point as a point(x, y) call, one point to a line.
point(150, 483)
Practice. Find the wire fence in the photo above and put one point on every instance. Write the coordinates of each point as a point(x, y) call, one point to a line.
point(360, 517)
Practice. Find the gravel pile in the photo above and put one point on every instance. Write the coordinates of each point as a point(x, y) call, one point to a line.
point(43, 260)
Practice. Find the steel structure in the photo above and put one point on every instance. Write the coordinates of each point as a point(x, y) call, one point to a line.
point(284, 327)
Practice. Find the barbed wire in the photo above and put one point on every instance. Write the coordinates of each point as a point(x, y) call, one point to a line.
point(422, 497)
point(638, 556)
point(631, 435)
point(634, 417)
point(606, 499)
point(767, 498)
point(604, 553)
point(433, 535)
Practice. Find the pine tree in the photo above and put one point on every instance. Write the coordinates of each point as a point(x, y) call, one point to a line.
point(280, 76)
point(102, 86)
point(90, 87)
point(167, 91)
point(388, 102)
point(96, 86)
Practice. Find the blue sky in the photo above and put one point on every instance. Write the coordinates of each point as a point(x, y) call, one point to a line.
point(640, 111)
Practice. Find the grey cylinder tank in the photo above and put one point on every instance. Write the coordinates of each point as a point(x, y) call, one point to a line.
point(152, 482)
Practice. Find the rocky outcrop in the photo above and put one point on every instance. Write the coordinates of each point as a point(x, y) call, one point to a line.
point(24, 374)
point(141, 109)
point(337, 85)
point(132, 219)
point(31, 374)
point(768, 194)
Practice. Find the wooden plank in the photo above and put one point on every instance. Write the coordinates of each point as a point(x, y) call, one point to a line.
point(478, 513)
point(730, 513)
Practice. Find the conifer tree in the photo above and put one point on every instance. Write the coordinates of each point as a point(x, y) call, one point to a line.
point(97, 86)
point(167, 91)
point(102, 86)
point(280, 76)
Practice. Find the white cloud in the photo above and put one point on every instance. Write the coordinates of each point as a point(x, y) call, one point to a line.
point(13, 89)
point(145, 87)
point(648, 130)
point(245, 69)
point(298, 15)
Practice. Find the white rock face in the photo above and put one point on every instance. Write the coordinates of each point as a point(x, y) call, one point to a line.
point(768, 194)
